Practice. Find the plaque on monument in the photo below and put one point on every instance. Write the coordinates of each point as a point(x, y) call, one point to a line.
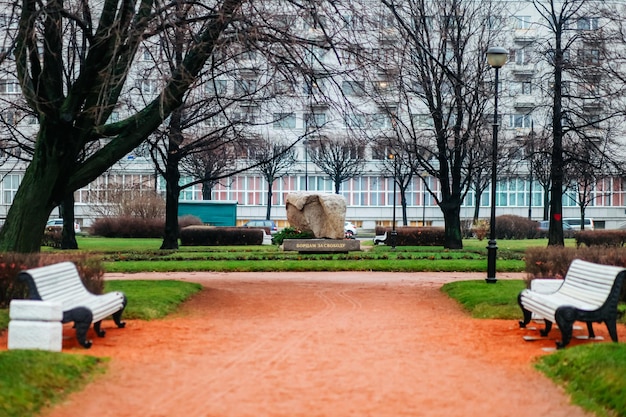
point(321, 245)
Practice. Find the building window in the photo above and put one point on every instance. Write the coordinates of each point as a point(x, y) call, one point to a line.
point(284, 121)
point(313, 86)
point(10, 86)
point(380, 121)
point(216, 88)
point(148, 86)
point(522, 22)
point(587, 23)
point(382, 86)
point(422, 120)
point(521, 88)
point(355, 120)
point(245, 86)
point(219, 120)
point(520, 120)
point(314, 120)
point(353, 88)
point(246, 115)
point(519, 56)
point(10, 184)
point(589, 56)
point(114, 117)
point(146, 55)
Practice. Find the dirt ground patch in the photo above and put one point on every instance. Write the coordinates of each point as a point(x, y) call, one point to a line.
point(318, 344)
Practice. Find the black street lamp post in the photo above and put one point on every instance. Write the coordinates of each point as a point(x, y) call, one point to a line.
point(496, 57)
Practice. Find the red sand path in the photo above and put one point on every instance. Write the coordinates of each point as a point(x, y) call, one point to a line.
point(318, 344)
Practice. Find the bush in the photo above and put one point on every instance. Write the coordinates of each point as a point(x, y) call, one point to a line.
point(90, 270)
point(515, 227)
point(290, 233)
point(129, 227)
point(480, 228)
point(553, 261)
point(220, 236)
point(415, 236)
point(188, 220)
point(52, 237)
point(600, 238)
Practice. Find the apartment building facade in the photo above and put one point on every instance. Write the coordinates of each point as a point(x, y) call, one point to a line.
point(354, 96)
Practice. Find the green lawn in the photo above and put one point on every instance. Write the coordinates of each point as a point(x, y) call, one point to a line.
point(136, 255)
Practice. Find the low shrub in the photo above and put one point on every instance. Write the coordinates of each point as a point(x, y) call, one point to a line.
point(189, 220)
point(220, 236)
point(515, 227)
point(52, 237)
point(89, 268)
point(480, 229)
point(600, 238)
point(415, 236)
point(128, 227)
point(290, 233)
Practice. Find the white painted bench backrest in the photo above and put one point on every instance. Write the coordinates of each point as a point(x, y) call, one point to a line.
point(589, 282)
point(59, 282)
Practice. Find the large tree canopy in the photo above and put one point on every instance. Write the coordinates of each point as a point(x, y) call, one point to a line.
point(72, 67)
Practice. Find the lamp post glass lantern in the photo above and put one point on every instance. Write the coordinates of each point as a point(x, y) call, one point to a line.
point(496, 58)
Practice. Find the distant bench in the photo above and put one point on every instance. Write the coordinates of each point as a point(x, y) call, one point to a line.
point(589, 292)
point(61, 283)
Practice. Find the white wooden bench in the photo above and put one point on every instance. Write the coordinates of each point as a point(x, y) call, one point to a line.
point(61, 283)
point(589, 292)
point(380, 238)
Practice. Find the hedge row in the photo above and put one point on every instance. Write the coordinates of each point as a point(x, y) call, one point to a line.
point(615, 238)
point(136, 227)
point(414, 236)
point(553, 261)
point(220, 236)
point(90, 270)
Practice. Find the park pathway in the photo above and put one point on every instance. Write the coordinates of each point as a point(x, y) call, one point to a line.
point(317, 344)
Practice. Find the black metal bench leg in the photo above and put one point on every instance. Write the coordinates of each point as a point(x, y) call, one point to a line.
point(117, 318)
point(81, 317)
point(592, 334)
point(612, 328)
point(565, 318)
point(527, 314)
point(99, 331)
point(546, 330)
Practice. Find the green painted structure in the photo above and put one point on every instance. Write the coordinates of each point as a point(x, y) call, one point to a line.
point(214, 213)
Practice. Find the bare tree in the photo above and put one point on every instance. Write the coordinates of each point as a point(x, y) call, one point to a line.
point(583, 89)
point(439, 50)
point(340, 159)
point(273, 160)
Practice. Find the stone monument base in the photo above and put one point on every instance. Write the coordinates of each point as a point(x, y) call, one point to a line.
point(321, 245)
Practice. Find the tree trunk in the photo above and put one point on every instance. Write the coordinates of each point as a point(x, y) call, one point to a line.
point(172, 192)
point(403, 203)
point(68, 235)
point(268, 213)
point(207, 190)
point(477, 198)
point(452, 218)
point(172, 180)
point(26, 220)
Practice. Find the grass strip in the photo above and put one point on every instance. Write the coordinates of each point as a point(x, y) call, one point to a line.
point(593, 374)
point(487, 301)
point(302, 264)
point(148, 300)
point(31, 380)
